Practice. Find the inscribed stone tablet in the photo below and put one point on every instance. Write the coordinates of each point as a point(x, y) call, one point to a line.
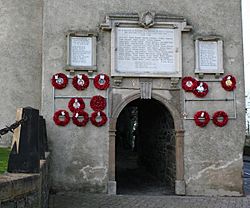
point(81, 51)
point(208, 55)
point(145, 50)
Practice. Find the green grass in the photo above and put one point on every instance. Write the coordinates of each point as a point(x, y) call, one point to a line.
point(4, 157)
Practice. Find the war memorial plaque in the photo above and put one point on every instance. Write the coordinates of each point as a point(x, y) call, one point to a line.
point(140, 51)
point(208, 55)
point(80, 51)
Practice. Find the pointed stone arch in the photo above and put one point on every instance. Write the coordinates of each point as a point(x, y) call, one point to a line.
point(118, 107)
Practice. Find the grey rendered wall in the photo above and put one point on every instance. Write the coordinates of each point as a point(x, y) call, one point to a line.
point(20, 57)
point(80, 155)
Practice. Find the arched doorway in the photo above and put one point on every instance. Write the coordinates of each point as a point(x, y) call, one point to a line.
point(145, 149)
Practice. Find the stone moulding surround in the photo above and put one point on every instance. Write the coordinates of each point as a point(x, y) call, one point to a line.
point(118, 107)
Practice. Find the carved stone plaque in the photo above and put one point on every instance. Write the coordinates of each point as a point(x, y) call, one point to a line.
point(145, 51)
point(208, 55)
point(80, 51)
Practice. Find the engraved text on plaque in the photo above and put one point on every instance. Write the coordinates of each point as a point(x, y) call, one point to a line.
point(208, 55)
point(81, 51)
point(145, 50)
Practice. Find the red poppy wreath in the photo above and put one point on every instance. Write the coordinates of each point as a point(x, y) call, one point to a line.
point(59, 81)
point(76, 104)
point(201, 89)
point(98, 103)
point(80, 118)
point(228, 82)
point(220, 118)
point(61, 118)
point(201, 118)
point(101, 81)
point(98, 118)
point(80, 82)
point(188, 84)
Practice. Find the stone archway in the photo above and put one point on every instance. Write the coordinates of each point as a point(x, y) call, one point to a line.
point(179, 143)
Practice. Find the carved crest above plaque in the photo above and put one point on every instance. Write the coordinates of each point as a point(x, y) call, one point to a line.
point(147, 19)
point(146, 45)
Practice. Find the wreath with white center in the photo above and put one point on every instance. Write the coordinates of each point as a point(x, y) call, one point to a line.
point(228, 82)
point(98, 118)
point(101, 81)
point(188, 84)
point(59, 81)
point(80, 118)
point(201, 118)
point(201, 89)
point(80, 82)
point(61, 117)
point(76, 104)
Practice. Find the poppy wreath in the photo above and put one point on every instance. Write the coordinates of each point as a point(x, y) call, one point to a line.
point(201, 118)
point(61, 114)
point(80, 121)
point(98, 103)
point(201, 89)
point(228, 82)
point(80, 82)
point(101, 81)
point(98, 118)
point(188, 84)
point(219, 122)
point(76, 104)
point(59, 81)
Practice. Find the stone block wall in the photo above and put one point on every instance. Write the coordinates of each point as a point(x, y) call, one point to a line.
point(20, 57)
point(19, 190)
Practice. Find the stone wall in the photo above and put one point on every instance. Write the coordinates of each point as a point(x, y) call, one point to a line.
point(26, 190)
point(20, 57)
point(212, 155)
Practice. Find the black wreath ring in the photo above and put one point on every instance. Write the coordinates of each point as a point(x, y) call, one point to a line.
point(220, 114)
point(59, 81)
point(61, 114)
point(80, 118)
point(101, 116)
point(201, 118)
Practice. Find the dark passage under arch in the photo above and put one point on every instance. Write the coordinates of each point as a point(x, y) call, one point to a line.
point(145, 149)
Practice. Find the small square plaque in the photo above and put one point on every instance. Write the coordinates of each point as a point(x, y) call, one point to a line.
point(209, 56)
point(81, 51)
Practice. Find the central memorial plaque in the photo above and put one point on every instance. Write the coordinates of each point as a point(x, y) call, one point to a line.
point(145, 50)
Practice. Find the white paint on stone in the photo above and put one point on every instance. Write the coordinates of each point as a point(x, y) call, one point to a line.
point(216, 166)
point(94, 175)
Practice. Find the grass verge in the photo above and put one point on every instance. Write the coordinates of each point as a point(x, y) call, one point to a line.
point(4, 157)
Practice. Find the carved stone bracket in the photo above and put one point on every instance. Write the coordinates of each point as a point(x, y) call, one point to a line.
point(174, 82)
point(146, 88)
point(118, 81)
